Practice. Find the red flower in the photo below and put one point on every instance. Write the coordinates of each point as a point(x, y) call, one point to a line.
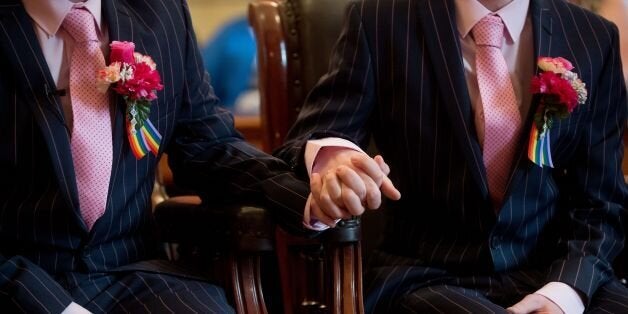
point(142, 85)
point(552, 84)
point(122, 51)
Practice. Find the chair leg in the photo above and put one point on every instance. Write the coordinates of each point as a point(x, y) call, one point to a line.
point(247, 284)
point(302, 272)
point(346, 266)
point(320, 277)
point(285, 267)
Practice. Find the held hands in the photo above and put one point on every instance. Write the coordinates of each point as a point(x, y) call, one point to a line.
point(535, 303)
point(345, 181)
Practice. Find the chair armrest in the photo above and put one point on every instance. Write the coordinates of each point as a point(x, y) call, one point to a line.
point(223, 227)
point(347, 231)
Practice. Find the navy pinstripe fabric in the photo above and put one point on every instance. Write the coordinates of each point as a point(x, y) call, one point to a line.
point(397, 75)
point(41, 231)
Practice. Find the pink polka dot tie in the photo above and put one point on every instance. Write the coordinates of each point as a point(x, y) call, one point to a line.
point(92, 149)
point(502, 120)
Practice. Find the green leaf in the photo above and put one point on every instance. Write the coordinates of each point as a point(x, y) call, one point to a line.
point(142, 108)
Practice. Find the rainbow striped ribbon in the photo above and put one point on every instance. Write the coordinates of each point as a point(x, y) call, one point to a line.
point(539, 148)
point(143, 140)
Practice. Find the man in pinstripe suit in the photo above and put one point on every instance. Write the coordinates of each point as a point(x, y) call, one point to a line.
point(404, 72)
point(50, 259)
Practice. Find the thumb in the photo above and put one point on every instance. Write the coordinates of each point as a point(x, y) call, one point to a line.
point(387, 187)
point(389, 190)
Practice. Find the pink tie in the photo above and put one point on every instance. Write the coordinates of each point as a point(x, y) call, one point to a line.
point(502, 120)
point(92, 148)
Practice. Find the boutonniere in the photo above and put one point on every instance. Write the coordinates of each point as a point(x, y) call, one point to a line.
point(134, 76)
point(560, 92)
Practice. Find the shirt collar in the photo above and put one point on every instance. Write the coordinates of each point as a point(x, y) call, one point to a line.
point(49, 14)
point(513, 14)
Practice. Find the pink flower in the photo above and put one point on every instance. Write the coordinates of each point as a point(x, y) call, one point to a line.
point(135, 75)
point(557, 65)
point(122, 51)
point(551, 84)
point(143, 85)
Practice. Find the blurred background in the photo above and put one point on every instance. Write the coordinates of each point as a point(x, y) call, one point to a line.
point(209, 15)
point(228, 50)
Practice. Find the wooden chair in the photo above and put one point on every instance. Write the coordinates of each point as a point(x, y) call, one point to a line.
point(228, 241)
point(294, 42)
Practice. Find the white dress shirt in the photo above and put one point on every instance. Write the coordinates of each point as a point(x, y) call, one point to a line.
point(57, 46)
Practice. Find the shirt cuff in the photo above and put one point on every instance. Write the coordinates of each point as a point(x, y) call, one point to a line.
point(312, 149)
point(311, 222)
point(314, 146)
point(74, 308)
point(566, 297)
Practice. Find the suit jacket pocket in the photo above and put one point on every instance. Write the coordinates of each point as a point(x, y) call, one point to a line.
point(579, 116)
point(566, 136)
point(164, 114)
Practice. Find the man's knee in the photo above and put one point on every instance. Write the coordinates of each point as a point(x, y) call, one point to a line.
point(447, 299)
point(609, 298)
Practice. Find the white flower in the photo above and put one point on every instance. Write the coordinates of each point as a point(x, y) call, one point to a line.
point(578, 85)
point(126, 72)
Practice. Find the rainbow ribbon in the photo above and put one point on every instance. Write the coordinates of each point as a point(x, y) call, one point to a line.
point(539, 148)
point(145, 139)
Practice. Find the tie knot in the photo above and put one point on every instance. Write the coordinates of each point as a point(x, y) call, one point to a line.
point(80, 24)
point(489, 31)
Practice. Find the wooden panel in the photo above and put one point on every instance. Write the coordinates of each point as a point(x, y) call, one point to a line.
point(265, 18)
point(251, 129)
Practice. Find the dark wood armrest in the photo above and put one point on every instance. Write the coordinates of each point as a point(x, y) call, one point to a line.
point(346, 232)
point(243, 228)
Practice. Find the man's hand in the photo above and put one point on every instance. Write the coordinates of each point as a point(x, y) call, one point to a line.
point(345, 181)
point(535, 303)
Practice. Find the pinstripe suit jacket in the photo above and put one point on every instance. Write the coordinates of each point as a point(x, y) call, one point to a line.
point(397, 74)
point(39, 208)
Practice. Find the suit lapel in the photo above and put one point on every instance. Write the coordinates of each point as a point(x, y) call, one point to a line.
point(119, 28)
point(542, 29)
point(122, 25)
point(438, 17)
point(117, 24)
point(36, 86)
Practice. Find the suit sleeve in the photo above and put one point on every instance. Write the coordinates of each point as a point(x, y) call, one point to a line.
point(209, 156)
point(342, 102)
point(26, 288)
point(595, 185)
